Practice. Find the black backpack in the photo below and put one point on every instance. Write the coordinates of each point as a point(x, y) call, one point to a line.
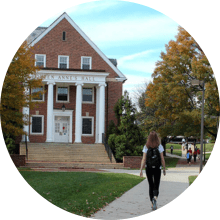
point(153, 158)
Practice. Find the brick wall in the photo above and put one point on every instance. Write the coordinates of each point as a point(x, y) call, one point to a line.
point(132, 161)
point(114, 92)
point(41, 107)
point(19, 160)
point(74, 46)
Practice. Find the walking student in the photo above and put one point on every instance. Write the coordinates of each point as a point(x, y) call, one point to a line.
point(195, 155)
point(188, 157)
point(171, 149)
point(153, 159)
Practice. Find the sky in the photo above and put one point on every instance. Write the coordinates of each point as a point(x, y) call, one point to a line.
point(133, 34)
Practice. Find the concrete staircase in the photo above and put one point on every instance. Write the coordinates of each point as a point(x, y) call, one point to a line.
point(59, 155)
point(74, 165)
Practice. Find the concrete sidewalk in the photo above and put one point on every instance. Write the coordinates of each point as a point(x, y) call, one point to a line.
point(136, 202)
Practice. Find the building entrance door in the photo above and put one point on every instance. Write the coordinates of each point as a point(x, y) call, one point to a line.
point(62, 129)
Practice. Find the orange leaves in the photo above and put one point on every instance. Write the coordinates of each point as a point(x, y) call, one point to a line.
point(13, 98)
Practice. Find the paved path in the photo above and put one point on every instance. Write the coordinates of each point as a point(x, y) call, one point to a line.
point(136, 202)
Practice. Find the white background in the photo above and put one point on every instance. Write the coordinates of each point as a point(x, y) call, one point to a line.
point(19, 18)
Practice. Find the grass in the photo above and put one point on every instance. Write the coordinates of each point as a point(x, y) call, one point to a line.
point(177, 149)
point(175, 146)
point(192, 179)
point(207, 147)
point(170, 162)
point(207, 155)
point(81, 193)
point(175, 152)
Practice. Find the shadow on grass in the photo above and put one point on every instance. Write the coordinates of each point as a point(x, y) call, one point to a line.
point(81, 193)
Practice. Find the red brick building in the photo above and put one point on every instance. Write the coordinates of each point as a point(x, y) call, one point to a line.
point(81, 86)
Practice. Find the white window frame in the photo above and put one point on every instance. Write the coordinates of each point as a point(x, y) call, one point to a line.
point(59, 56)
point(88, 135)
point(90, 63)
point(44, 55)
point(88, 102)
point(42, 116)
point(68, 95)
point(38, 100)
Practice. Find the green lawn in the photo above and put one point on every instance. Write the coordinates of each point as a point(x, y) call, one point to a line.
point(81, 193)
point(176, 152)
point(207, 147)
point(175, 146)
point(170, 162)
point(192, 179)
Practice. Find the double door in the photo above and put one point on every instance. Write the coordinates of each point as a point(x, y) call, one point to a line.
point(61, 129)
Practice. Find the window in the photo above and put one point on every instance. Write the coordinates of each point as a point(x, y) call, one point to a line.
point(37, 94)
point(88, 95)
point(37, 122)
point(87, 126)
point(57, 127)
point(40, 60)
point(64, 36)
point(86, 63)
point(62, 94)
point(63, 62)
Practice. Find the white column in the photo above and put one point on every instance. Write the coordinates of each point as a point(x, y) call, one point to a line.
point(101, 111)
point(97, 114)
point(50, 112)
point(78, 122)
point(26, 112)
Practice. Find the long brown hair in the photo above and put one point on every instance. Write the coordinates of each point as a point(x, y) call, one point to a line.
point(153, 140)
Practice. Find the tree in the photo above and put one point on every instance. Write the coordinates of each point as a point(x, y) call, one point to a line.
point(128, 138)
point(176, 102)
point(20, 78)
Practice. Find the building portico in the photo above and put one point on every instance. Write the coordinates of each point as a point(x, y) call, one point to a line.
point(60, 122)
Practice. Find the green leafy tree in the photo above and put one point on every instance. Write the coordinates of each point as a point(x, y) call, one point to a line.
point(128, 139)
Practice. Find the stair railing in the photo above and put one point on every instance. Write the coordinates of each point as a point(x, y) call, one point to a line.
point(107, 148)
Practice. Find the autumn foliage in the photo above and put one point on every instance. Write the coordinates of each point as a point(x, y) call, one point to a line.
point(20, 77)
point(175, 104)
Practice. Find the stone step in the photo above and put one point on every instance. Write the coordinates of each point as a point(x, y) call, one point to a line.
point(77, 157)
point(94, 154)
point(70, 160)
point(75, 165)
point(66, 152)
point(60, 145)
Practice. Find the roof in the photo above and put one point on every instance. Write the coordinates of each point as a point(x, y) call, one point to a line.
point(114, 61)
point(40, 32)
point(35, 34)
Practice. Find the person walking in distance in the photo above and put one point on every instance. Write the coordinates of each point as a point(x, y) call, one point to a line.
point(195, 155)
point(188, 157)
point(152, 160)
point(171, 149)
